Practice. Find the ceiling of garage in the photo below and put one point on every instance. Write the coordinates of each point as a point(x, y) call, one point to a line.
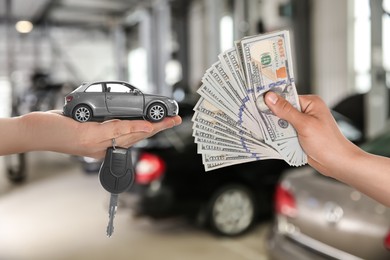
point(66, 12)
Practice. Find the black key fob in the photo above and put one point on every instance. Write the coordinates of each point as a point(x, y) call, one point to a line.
point(116, 173)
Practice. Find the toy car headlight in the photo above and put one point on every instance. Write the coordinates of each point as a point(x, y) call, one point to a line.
point(171, 101)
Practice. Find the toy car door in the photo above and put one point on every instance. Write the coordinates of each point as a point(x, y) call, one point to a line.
point(95, 96)
point(124, 100)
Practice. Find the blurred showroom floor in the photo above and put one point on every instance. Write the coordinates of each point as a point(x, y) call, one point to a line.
point(61, 213)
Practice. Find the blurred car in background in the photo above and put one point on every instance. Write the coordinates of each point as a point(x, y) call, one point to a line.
point(318, 217)
point(170, 179)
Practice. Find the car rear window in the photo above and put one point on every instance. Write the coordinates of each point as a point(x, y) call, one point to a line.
point(80, 87)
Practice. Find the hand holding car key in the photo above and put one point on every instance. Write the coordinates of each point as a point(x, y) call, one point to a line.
point(97, 101)
point(116, 176)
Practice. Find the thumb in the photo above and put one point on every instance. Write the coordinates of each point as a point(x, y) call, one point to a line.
point(283, 109)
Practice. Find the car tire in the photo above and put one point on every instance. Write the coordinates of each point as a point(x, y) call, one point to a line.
point(232, 210)
point(156, 112)
point(82, 113)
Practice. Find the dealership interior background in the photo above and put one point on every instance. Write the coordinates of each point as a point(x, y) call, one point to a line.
point(52, 205)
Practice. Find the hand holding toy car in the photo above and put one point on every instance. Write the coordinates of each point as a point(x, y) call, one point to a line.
point(51, 131)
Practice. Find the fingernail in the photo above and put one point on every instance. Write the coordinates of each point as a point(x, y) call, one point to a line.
point(272, 97)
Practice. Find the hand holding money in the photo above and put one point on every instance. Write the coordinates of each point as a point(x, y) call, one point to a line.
point(232, 123)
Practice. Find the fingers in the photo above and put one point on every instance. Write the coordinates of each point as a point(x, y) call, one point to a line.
point(168, 122)
point(127, 133)
point(116, 128)
point(283, 109)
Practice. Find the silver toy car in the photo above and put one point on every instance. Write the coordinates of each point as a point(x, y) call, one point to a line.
point(116, 99)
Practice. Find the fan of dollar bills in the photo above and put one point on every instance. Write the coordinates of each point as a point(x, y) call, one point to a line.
point(232, 124)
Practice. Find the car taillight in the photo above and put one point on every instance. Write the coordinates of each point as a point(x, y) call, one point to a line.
point(149, 168)
point(285, 202)
point(68, 98)
point(387, 241)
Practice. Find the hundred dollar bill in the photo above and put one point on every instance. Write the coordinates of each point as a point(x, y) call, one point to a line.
point(229, 60)
point(267, 64)
point(215, 148)
point(205, 107)
point(209, 124)
point(235, 91)
point(222, 87)
point(216, 161)
point(201, 136)
point(233, 69)
point(201, 129)
point(205, 123)
point(267, 61)
point(214, 73)
point(232, 158)
point(218, 165)
point(208, 148)
point(230, 70)
point(240, 57)
point(232, 123)
point(227, 159)
point(211, 141)
point(232, 60)
point(209, 93)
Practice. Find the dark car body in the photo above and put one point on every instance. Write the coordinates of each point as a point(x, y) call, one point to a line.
point(171, 179)
point(116, 99)
point(320, 218)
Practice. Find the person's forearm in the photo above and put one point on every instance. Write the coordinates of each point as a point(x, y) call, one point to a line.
point(45, 131)
point(18, 135)
point(366, 172)
point(329, 152)
point(13, 136)
point(51, 131)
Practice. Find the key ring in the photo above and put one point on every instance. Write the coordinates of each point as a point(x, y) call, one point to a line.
point(113, 143)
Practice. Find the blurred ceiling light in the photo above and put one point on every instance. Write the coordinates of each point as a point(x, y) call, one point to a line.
point(24, 26)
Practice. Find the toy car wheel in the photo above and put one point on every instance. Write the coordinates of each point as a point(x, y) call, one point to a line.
point(232, 210)
point(82, 113)
point(156, 112)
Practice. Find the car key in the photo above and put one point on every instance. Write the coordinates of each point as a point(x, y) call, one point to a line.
point(116, 175)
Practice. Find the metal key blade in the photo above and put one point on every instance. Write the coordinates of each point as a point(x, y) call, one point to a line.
point(111, 213)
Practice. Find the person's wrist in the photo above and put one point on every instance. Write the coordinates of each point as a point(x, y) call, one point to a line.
point(344, 156)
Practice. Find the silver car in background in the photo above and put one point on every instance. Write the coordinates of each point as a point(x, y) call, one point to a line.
point(116, 99)
point(318, 217)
